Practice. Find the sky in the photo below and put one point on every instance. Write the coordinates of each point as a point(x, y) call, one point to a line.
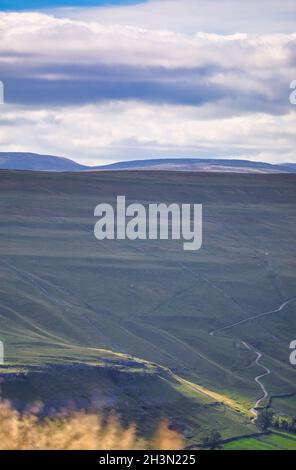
point(126, 80)
point(21, 5)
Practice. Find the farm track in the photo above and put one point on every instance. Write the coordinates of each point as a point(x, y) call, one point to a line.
point(254, 317)
point(259, 354)
point(258, 378)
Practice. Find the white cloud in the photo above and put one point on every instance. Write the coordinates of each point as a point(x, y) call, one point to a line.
point(37, 39)
point(123, 130)
point(250, 117)
point(190, 16)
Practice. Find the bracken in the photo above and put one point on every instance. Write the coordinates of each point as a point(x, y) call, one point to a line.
point(77, 431)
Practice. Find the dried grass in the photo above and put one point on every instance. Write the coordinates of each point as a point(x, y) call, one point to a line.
point(77, 431)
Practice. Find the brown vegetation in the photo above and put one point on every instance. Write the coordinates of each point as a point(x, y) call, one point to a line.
point(76, 431)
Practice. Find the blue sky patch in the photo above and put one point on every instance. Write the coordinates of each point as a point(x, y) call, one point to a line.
point(12, 5)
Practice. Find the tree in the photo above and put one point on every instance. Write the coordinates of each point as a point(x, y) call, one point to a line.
point(213, 441)
point(276, 422)
point(264, 419)
point(293, 424)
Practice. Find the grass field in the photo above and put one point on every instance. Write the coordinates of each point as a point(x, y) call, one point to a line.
point(273, 441)
point(66, 298)
point(284, 405)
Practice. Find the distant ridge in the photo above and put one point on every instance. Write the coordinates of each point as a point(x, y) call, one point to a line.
point(36, 162)
point(202, 165)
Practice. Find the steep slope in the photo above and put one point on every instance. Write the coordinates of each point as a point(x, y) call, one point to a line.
point(65, 297)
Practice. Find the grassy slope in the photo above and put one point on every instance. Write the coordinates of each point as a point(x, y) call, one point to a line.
point(273, 441)
point(284, 405)
point(137, 394)
point(64, 295)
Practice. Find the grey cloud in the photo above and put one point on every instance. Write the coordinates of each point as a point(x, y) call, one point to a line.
point(109, 92)
point(75, 84)
point(50, 61)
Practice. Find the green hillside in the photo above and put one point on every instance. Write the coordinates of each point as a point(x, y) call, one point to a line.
point(66, 298)
point(272, 441)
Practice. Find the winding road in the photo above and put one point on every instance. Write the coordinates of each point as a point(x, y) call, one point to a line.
point(259, 354)
point(254, 317)
point(258, 378)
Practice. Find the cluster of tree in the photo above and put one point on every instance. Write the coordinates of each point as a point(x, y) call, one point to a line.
point(285, 424)
point(267, 419)
point(213, 441)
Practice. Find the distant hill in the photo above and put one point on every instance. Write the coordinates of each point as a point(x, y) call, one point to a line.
point(36, 162)
point(202, 165)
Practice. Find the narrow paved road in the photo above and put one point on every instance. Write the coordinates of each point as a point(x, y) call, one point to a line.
point(267, 371)
point(254, 317)
point(258, 378)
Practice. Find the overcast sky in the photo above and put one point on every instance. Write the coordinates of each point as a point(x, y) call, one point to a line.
point(201, 78)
